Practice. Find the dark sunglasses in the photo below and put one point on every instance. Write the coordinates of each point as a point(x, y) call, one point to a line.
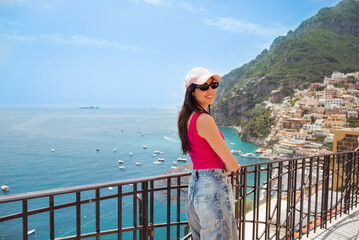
point(205, 86)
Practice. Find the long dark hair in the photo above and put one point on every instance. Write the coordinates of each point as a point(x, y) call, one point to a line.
point(190, 105)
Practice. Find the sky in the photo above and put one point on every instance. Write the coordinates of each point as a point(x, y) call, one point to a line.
point(131, 53)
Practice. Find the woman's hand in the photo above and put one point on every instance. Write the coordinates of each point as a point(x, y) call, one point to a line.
point(357, 149)
point(207, 128)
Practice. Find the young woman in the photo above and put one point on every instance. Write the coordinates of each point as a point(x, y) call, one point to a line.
point(210, 202)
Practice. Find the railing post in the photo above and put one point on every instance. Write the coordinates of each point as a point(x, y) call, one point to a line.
point(78, 215)
point(348, 177)
point(24, 219)
point(52, 217)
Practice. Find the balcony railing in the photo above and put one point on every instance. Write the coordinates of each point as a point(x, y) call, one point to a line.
point(283, 199)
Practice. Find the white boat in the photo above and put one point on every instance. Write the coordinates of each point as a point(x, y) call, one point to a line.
point(31, 231)
point(249, 155)
point(122, 167)
point(144, 147)
point(120, 161)
point(154, 155)
point(114, 149)
point(130, 154)
point(157, 162)
point(110, 188)
point(173, 167)
point(5, 188)
point(52, 149)
point(175, 163)
point(160, 159)
point(138, 163)
point(181, 159)
point(98, 149)
point(266, 156)
point(236, 152)
point(231, 143)
point(157, 152)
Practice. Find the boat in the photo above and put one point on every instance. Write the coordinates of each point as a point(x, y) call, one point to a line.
point(114, 149)
point(260, 150)
point(144, 147)
point(175, 163)
point(173, 167)
point(98, 149)
point(122, 167)
point(156, 152)
point(52, 149)
point(266, 156)
point(181, 159)
point(31, 231)
point(120, 161)
point(110, 188)
point(154, 155)
point(138, 163)
point(249, 155)
point(130, 154)
point(160, 159)
point(236, 152)
point(231, 143)
point(148, 133)
point(157, 162)
point(5, 188)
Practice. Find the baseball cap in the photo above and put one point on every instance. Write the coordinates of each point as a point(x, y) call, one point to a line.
point(199, 76)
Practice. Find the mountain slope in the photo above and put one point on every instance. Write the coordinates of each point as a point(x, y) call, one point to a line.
point(327, 42)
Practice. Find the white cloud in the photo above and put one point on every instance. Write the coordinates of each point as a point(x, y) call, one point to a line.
point(154, 2)
point(187, 6)
point(234, 25)
point(74, 40)
point(14, 2)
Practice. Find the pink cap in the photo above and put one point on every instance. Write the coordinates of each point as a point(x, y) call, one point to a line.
point(199, 76)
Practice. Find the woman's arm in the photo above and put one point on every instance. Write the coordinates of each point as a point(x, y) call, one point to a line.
point(207, 128)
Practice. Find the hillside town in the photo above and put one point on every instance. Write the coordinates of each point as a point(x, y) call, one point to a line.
point(305, 122)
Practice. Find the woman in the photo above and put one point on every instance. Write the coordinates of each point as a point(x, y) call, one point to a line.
point(210, 203)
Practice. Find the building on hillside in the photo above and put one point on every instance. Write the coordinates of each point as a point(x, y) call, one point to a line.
point(330, 93)
point(299, 136)
point(352, 114)
point(314, 86)
point(335, 120)
point(308, 128)
point(337, 75)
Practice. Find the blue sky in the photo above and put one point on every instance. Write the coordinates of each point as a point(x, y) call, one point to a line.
point(118, 53)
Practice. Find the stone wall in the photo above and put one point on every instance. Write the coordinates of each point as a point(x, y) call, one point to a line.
point(348, 143)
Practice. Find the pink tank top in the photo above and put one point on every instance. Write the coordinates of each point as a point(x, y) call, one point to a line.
point(202, 154)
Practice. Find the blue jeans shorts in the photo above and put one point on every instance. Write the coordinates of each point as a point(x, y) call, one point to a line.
point(210, 205)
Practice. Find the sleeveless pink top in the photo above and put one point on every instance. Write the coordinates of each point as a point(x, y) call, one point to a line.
point(202, 154)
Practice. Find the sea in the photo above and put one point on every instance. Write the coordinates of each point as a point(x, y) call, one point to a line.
point(49, 148)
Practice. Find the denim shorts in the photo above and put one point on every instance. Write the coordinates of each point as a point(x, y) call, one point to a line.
point(210, 205)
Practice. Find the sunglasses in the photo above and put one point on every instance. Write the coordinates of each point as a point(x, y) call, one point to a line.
point(205, 86)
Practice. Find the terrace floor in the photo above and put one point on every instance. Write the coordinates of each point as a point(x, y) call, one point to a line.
point(343, 228)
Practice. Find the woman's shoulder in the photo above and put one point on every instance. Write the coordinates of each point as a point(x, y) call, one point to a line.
point(204, 118)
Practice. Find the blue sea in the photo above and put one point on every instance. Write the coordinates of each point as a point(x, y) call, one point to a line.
point(28, 164)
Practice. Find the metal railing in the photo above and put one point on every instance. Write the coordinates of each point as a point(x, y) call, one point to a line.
point(282, 199)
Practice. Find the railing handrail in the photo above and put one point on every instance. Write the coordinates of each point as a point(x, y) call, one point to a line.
point(65, 190)
point(86, 187)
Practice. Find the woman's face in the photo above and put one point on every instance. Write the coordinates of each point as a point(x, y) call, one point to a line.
point(205, 98)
